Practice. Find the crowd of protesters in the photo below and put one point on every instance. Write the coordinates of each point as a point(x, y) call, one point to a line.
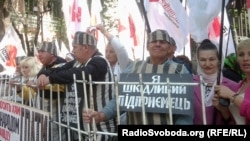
point(96, 104)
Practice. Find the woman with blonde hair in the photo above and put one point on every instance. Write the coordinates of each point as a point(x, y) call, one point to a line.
point(240, 100)
point(29, 69)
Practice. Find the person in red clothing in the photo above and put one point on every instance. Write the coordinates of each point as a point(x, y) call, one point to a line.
point(240, 101)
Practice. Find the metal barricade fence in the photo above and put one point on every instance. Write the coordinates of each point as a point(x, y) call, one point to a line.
point(20, 122)
point(36, 123)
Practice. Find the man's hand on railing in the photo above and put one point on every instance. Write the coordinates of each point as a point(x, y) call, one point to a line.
point(42, 81)
point(13, 82)
point(32, 85)
point(88, 116)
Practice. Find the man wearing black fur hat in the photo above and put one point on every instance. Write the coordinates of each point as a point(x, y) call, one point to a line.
point(90, 61)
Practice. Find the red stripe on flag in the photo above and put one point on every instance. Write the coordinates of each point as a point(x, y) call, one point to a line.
point(12, 52)
point(76, 12)
point(132, 30)
point(216, 26)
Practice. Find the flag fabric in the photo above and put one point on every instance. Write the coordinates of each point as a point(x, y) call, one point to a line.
point(60, 49)
point(95, 14)
point(95, 18)
point(228, 46)
point(131, 28)
point(63, 50)
point(171, 16)
point(201, 14)
point(187, 47)
point(10, 48)
point(77, 17)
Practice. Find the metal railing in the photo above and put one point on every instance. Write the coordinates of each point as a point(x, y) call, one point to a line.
point(39, 123)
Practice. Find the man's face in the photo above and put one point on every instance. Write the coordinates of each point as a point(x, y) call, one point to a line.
point(45, 57)
point(79, 52)
point(158, 48)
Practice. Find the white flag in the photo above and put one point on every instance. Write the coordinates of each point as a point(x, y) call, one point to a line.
point(201, 14)
point(63, 50)
point(171, 16)
point(228, 45)
point(95, 16)
point(10, 48)
point(131, 28)
point(77, 17)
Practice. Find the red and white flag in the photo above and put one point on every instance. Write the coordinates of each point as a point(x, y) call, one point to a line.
point(77, 17)
point(171, 16)
point(131, 28)
point(10, 48)
point(228, 46)
point(201, 14)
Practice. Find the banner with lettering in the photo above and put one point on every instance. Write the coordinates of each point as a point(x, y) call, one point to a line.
point(156, 91)
point(22, 123)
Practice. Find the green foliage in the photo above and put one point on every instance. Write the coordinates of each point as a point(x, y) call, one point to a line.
point(108, 14)
point(238, 19)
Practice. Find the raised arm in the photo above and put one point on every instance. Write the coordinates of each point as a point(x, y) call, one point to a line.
point(120, 50)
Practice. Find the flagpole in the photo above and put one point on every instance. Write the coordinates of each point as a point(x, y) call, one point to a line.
point(145, 16)
point(230, 32)
point(224, 102)
point(147, 26)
